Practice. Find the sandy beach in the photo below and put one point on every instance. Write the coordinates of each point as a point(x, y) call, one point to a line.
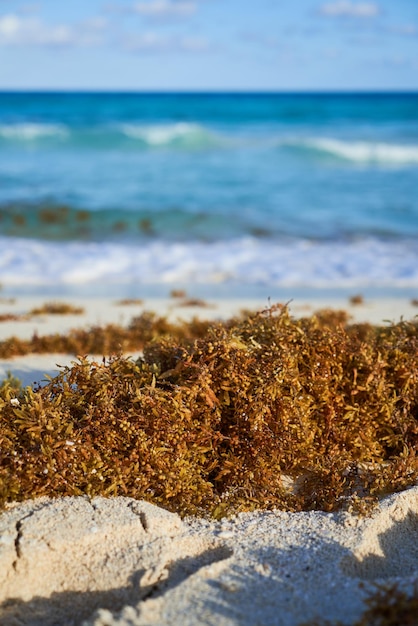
point(79, 561)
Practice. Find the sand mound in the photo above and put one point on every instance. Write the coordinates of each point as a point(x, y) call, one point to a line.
point(62, 559)
point(388, 545)
point(122, 562)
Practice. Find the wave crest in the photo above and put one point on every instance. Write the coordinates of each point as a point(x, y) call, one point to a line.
point(361, 151)
point(194, 136)
point(181, 134)
point(31, 131)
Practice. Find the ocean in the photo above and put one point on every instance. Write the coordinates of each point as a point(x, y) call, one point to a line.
point(223, 193)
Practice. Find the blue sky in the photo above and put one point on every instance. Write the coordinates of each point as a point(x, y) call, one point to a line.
point(209, 44)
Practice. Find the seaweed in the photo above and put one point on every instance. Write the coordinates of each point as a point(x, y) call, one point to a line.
point(57, 308)
point(188, 302)
point(108, 339)
point(178, 293)
point(391, 606)
point(54, 215)
point(261, 411)
point(10, 317)
point(129, 301)
point(387, 605)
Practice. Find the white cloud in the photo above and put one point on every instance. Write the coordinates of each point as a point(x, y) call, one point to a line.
point(152, 42)
point(16, 30)
point(147, 42)
point(265, 41)
point(407, 30)
point(345, 8)
point(95, 23)
point(162, 9)
point(112, 7)
point(194, 44)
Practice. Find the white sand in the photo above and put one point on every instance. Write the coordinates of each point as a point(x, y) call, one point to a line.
point(122, 562)
point(74, 562)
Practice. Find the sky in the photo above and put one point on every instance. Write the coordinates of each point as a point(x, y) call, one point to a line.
point(207, 45)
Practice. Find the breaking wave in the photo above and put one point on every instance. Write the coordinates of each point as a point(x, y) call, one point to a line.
point(247, 261)
point(182, 135)
point(359, 151)
point(193, 136)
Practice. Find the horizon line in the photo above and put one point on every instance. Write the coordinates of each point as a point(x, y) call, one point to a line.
point(180, 91)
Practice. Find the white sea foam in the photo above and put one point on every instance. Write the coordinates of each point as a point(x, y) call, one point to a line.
point(31, 131)
point(247, 261)
point(182, 133)
point(364, 151)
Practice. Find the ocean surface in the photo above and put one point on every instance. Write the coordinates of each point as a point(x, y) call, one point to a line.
point(239, 192)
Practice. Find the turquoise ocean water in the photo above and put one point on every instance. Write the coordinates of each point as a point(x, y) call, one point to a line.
point(233, 193)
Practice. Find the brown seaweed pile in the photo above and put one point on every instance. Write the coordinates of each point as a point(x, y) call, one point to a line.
point(49, 308)
point(57, 308)
point(259, 412)
point(104, 340)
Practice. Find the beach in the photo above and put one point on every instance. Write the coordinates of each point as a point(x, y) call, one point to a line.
point(169, 456)
point(96, 561)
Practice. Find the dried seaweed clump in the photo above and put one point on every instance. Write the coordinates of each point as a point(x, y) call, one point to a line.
point(9, 317)
point(57, 308)
point(214, 424)
point(357, 299)
point(390, 606)
point(108, 339)
point(387, 605)
point(193, 302)
point(129, 301)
